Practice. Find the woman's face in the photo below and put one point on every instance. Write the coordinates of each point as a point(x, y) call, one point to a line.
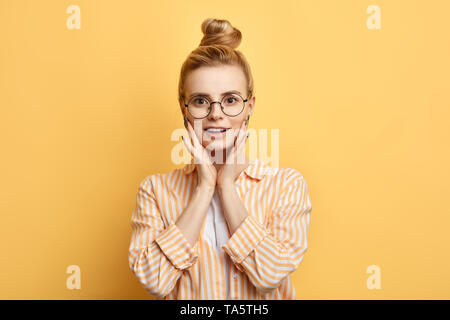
point(215, 82)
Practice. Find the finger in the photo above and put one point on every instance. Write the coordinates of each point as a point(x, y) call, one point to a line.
point(200, 152)
point(188, 145)
point(195, 143)
point(193, 135)
point(192, 150)
point(243, 139)
point(239, 134)
point(189, 130)
point(242, 136)
point(237, 153)
point(240, 147)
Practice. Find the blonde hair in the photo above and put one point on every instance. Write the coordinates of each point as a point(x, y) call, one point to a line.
point(216, 48)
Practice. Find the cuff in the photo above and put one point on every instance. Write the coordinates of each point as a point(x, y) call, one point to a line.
point(246, 237)
point(176, 247)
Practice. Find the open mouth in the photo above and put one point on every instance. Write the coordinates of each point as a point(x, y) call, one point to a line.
point(216, 132)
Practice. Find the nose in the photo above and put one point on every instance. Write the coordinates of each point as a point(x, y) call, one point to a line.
point(216, 110)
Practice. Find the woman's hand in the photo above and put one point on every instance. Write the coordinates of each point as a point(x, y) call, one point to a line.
point(231, 169)
point(206, 172)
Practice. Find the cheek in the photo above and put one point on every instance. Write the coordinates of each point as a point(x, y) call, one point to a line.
point(238, 123)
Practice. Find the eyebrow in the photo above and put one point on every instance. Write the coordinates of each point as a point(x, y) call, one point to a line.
point(203, 94)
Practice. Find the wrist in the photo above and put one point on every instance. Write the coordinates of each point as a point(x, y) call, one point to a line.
point(225, 184)
point(205, 188)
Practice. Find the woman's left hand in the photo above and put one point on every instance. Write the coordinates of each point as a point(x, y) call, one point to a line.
point(231, 169)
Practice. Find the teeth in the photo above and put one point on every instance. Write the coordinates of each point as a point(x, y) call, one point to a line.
point(215, 130)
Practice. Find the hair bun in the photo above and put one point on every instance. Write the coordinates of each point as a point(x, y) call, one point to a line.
point(221, 32)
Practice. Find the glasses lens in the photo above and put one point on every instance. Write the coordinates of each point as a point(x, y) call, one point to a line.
point(232, 104)
point(198, 107)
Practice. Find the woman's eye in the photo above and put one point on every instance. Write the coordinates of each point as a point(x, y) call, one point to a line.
point(200, 99)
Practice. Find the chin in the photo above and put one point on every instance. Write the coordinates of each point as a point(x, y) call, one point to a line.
point(218, 145)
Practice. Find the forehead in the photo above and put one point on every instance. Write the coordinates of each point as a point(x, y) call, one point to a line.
point(215, 80)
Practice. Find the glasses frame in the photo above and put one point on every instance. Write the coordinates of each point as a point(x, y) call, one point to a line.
point(219, 102)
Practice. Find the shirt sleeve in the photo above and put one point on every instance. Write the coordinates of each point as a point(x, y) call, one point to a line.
point(157, 255)
point(268, 255)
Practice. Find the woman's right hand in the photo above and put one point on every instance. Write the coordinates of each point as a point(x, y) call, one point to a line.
point(206, 172)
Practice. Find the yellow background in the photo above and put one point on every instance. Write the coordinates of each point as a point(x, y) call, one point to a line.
point(363, 114)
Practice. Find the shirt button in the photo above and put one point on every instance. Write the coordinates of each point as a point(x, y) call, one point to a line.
point(234, 275)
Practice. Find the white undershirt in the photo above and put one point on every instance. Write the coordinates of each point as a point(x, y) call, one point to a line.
point(218, 234)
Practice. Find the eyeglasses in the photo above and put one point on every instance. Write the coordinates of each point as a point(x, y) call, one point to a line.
point(231, 105)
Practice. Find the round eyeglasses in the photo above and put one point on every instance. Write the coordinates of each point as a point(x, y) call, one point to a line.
point(231, 105)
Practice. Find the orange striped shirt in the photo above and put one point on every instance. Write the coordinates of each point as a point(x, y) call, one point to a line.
point(267, 246)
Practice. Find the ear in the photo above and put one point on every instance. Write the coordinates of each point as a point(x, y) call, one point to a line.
point(182, 107)
point(251, 105)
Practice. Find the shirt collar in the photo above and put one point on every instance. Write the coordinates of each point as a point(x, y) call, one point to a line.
point(256, 169)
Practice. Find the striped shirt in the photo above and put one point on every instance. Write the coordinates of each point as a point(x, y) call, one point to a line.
point(266, 247)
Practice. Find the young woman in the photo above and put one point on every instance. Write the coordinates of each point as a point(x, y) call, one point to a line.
point(219, 229)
